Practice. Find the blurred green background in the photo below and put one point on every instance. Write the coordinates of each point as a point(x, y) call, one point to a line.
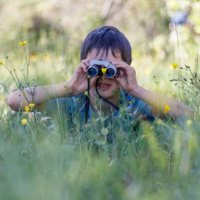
point(55, 29)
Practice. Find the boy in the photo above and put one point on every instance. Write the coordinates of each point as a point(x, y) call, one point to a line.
point(105, 44)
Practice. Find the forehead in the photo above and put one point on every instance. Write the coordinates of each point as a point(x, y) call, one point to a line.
point(102, 54)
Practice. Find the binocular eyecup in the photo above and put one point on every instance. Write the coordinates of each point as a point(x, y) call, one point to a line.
point(99, 68)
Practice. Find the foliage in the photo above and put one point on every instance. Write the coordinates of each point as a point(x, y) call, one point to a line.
point(41, 158)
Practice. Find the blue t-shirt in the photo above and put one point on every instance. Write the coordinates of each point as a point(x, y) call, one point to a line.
point(74, 108)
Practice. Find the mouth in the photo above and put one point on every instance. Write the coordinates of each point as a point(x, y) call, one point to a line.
point(104, 86)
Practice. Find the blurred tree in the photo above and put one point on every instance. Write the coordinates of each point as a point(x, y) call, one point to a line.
point(111, 8)
point(58, 25)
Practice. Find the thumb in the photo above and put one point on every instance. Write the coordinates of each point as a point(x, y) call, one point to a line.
point(93, 81)
point(118, 79)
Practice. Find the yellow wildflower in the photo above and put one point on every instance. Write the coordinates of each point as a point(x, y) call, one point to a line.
point(24, 122)
point(166, 108)
point(26, 109)
point(174, 65)
point(23, 43)
point(31, 105)
point(103, 70)
point(47, 57)
point(2, 62)
point(33, 57)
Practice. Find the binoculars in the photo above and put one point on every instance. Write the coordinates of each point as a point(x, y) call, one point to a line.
point(102, 67)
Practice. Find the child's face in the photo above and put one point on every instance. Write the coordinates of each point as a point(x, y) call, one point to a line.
point(107, 87)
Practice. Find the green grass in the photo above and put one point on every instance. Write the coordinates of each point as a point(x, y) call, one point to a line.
point(45, 160)
point(38, 162)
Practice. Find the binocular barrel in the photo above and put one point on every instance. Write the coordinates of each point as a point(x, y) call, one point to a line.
point(95, 69)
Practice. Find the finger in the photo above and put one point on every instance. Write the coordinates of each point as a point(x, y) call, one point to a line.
point(126, 69)
point(121, 73)
point(118, 62)
point(83, 66)
point(93, 80)
point(122, 65)
point(86, 63)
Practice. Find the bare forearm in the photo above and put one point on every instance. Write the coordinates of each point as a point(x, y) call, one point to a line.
point(159, 102)
point(38, 95)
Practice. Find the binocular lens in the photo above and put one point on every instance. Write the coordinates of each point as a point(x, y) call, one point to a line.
point(110, 73)
point(92, 71)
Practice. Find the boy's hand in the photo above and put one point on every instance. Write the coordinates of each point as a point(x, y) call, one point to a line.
point(127, 77)
point(78, 83)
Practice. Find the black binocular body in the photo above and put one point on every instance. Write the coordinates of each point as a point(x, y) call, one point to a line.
point(95, 69)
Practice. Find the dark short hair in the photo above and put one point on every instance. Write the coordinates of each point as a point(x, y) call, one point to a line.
point(105, 38)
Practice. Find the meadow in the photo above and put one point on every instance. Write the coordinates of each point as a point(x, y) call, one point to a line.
point(41, 158)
